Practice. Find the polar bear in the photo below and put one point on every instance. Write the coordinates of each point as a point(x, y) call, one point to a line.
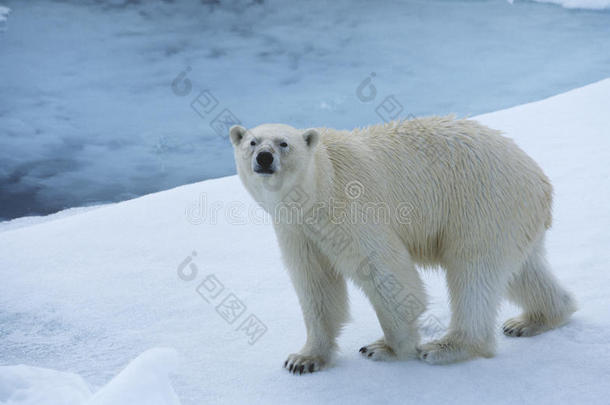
point(369, 205)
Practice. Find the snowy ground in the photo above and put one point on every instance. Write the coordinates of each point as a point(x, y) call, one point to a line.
point(88, 115)
point(86, 293)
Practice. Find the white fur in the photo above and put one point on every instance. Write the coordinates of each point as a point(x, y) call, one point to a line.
point(478, 206)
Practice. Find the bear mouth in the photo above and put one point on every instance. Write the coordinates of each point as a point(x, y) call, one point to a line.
point(264, 170)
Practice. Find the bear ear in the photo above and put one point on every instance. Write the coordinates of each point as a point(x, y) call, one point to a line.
point(236, 133)
point(311, 137)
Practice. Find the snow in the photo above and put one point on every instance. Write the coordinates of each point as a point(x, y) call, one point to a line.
point(577, 4)
point(88, 292)
point(31, 220)
point(34, 385)
point(89, 116)
point(143, 381)
point(580, 4)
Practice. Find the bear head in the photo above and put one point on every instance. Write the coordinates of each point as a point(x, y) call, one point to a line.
point(272, 158)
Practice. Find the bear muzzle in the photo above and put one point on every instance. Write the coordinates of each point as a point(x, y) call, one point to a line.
point(264, 163)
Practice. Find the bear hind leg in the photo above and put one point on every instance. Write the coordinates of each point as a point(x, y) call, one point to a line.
point(475, 290)
point(546, 304)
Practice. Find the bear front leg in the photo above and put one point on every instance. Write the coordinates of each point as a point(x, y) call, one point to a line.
point(322, 294)
point(389, 279)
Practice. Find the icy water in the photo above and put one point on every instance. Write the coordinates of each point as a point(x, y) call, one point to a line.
point(105, 101)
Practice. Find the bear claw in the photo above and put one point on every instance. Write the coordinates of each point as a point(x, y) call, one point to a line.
point(301, 364)
point(378, 350)
point(521, 326)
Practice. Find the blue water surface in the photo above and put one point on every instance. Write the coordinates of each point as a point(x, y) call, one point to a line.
point(107, 100)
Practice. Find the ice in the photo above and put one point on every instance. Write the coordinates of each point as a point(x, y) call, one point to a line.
point(26, 385)
point(88, 292)
point(144, 381)
point(4, 12)
point(581, 4)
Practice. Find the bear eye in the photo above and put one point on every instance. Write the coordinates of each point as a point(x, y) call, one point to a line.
point(252, 143)
point(284, 145)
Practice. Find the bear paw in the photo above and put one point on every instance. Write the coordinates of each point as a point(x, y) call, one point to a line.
point(378, 351)
point(299, 364)
point(443, 352)
point(521, 327)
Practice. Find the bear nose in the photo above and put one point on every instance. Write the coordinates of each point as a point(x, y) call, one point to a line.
point(264, 159)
